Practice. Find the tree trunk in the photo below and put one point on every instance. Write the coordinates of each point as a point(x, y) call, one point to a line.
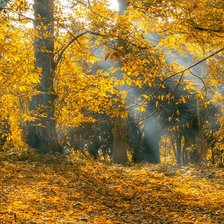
point(184, 154)
point(179, 136)
point(42, 133)
point(150, 141)
point(134, 140)
point(165, 147)
point(119, 141)
point(174, 145)
point(202, 142)
point(119, 152)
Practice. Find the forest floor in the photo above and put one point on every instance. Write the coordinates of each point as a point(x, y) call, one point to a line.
point(36, 189)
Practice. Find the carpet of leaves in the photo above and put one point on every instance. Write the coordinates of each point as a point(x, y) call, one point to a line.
point(52, 189)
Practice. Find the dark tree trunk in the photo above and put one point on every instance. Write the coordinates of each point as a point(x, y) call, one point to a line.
point(119, 155)
point(42, 133)
point(76, 138)
point(179, 136)
point(151, 135)
point(187, 143)
point(144, 141)
point(173, 145)
point(134, 140)
point(184, 155)
point(202, 142)
point(150, 149)
point(165, 147)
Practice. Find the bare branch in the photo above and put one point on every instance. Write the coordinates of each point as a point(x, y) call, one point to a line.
point(208, 29)
point(24, 17)
point(186, 69)
point(201, 81)
point(165, 101)
point(175, 74)
point(75, 38)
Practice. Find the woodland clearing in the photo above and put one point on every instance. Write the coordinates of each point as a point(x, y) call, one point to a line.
point(49, 189)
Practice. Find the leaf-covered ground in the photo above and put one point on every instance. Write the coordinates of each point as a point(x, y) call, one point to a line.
point(55, 190)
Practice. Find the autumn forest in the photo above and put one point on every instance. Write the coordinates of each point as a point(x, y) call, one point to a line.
point(111, 111)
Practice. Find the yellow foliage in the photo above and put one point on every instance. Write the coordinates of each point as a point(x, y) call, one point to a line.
point(17, 76)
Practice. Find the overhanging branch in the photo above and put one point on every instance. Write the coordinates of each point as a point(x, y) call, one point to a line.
point(165, 101)
point(201, 81)
point(175, 74)
point(75, 38)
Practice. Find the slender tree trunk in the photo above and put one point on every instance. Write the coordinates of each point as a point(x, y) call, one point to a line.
point(212, 146)
point(42, 133)
point(119, 152)
point(174, 145)
point(187, 143)
point(165, 147)
point(202, 144)
point(179, 136)
point(184, 153)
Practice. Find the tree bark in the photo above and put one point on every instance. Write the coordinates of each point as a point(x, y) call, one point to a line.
point(119, 141)
point(42, 133)
point(179, 148)
point(119, 152)
point(202, 142)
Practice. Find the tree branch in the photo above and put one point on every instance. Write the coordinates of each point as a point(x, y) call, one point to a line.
point(165, 101)
point(19, 14)
point(201, 81)
point(186, 69)
point(75, 38)
point(175, 74)
point(208, 29)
